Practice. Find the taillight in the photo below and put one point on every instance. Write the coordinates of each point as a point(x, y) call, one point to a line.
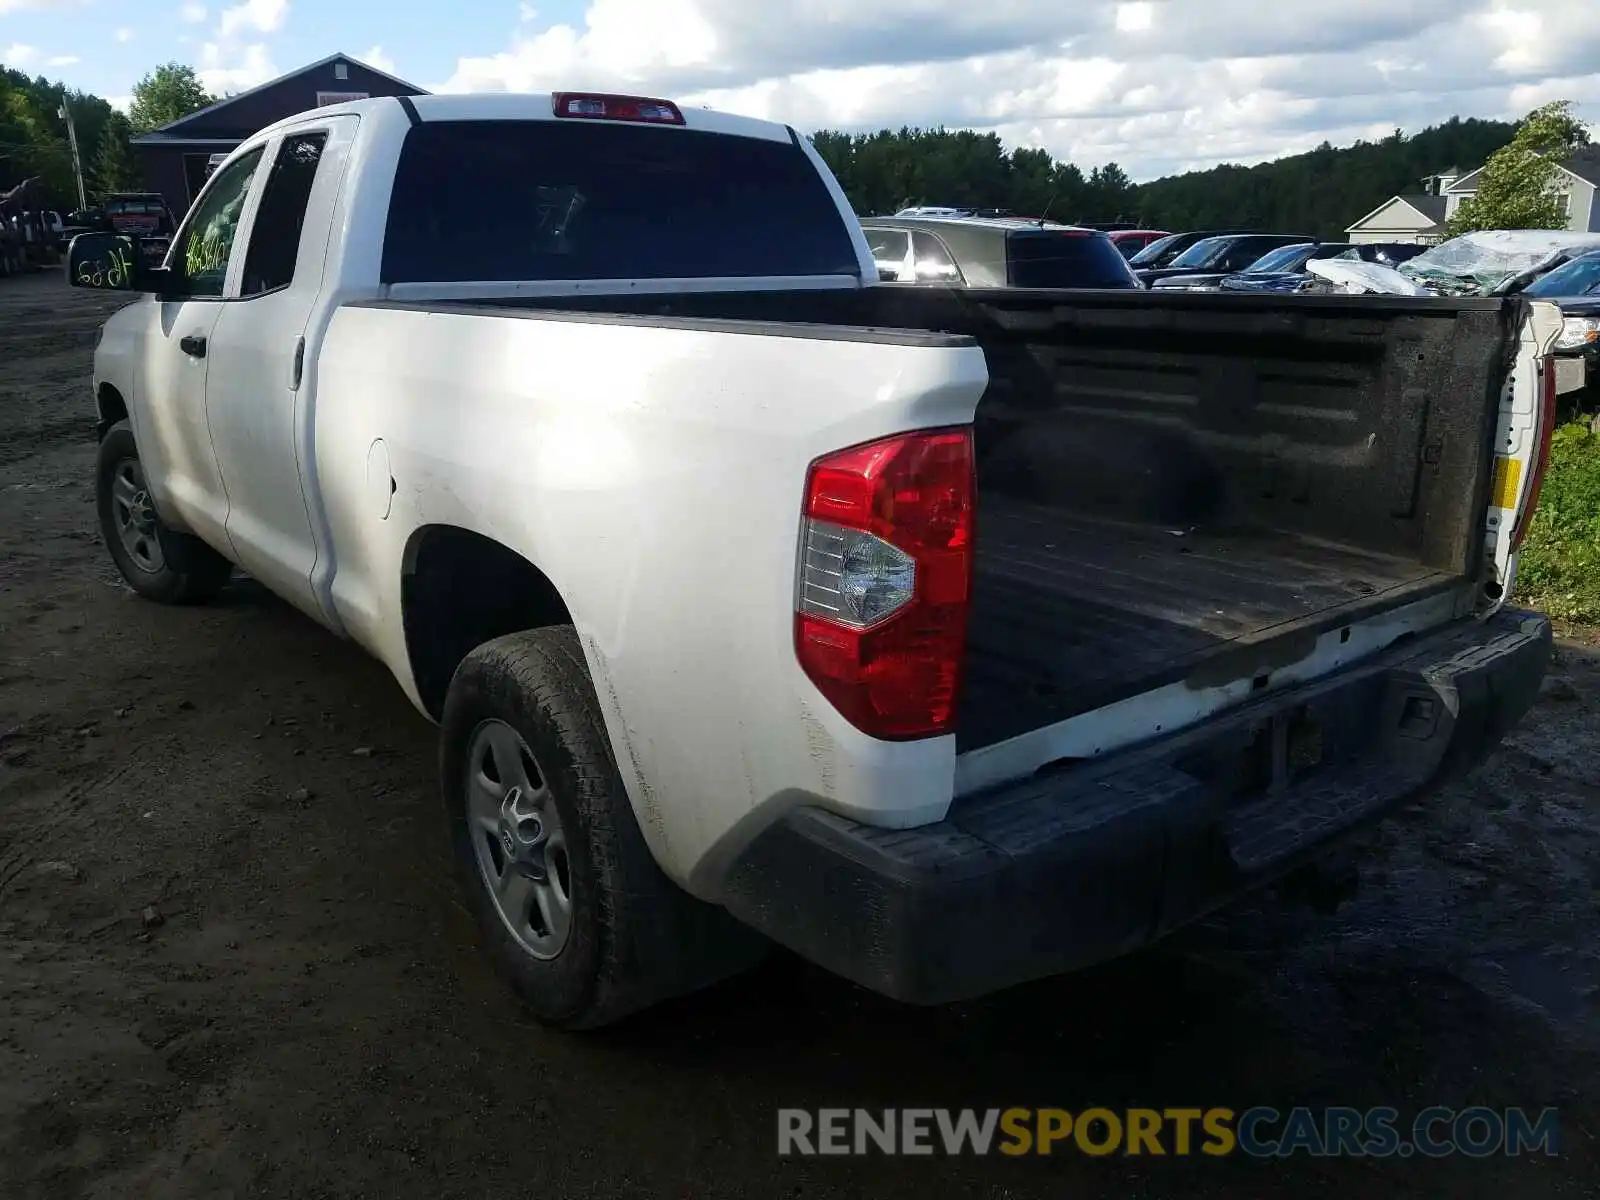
point(885, 577)
point(1541, 453)
point(597, 106)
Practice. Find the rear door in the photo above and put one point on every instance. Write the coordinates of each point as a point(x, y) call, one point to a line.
point(253, 393)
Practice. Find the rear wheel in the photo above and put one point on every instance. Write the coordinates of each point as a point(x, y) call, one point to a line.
point(158, 563)
point(569, 903)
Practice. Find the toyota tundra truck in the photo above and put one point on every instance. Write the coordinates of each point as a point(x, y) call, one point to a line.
point(949, 637)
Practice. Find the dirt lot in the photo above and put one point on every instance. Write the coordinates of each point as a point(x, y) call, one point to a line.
point(215, 983)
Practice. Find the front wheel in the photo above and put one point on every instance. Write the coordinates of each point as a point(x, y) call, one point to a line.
point(568, 900)
point(158, 563)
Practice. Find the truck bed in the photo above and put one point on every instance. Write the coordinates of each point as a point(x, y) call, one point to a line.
point(1056, 632)
point(1182, 487)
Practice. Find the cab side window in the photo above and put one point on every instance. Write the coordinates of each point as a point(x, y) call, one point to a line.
point(206, 245)
point(934, 264)
point(889, 249)
point(275, 237)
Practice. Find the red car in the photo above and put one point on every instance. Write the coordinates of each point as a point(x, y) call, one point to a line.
point(1131, 241)
point(144, 215)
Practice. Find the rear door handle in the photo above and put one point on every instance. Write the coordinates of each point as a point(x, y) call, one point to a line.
point(193, 346)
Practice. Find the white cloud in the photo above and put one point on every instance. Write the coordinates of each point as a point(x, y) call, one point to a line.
point(63, 60)
point(120, 103)
point(124, 34)
point(19, 56)
point(623, 41)
point(1157, 85)
point(224, 69)
point(11, 6)
point(193, 14)
point(234, 59)
point(375, 57)
point(262, 16)
point(1135, 18)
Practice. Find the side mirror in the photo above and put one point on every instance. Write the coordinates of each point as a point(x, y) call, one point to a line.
point(888, 274)
point(110, 262)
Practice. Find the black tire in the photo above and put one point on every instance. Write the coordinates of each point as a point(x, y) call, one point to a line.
point(188, 571)
point(636, 938)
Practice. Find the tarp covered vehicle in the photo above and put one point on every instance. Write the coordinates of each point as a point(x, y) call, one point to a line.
point(1493, 263)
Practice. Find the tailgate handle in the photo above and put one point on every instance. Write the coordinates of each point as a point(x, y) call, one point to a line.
point(193, 346)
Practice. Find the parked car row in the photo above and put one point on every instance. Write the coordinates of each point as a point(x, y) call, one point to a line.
point(963, 248)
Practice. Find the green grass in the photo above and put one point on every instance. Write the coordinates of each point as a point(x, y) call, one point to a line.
point(1559, 569)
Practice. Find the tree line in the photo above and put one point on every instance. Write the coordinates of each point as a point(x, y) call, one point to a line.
point(34, 140)
point(1319, 193)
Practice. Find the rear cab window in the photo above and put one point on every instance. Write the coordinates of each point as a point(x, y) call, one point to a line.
point(511, 201)
point(1065, 259)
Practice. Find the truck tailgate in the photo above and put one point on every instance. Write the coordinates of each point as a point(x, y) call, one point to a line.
point(1192, 494)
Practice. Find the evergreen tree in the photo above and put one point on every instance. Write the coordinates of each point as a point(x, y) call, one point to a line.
point(112, 169)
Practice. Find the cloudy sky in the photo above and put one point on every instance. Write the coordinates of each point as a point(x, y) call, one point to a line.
point(1157, 85)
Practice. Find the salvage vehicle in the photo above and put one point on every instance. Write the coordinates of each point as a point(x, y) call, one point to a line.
point(994, 252)
point(145, 216)
point(950, 637)
point(1285, 270)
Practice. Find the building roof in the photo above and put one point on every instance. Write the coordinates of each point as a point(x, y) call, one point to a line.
point(175, 132)
point(1430, 208)
point(1585, 164)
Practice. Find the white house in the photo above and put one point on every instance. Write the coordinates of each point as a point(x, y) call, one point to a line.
point(1415, 217)
point(1420, 217)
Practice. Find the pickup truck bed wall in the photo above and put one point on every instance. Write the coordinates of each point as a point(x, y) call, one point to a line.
point(1174, 491)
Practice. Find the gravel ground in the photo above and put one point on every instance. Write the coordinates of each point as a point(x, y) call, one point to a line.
point(232, 962)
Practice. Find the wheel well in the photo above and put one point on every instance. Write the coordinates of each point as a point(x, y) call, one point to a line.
point(112, 408)
point(459, 590)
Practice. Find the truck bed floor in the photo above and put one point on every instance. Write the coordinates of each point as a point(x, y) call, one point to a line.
point(1070, 615)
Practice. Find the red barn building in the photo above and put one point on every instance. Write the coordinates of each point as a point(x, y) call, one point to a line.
point(174, 158)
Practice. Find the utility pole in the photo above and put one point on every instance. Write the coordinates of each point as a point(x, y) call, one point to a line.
point(65, 114)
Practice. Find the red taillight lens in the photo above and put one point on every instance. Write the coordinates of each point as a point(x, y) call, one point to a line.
point(1547, 428)
point(881, 619)
point(596, 106)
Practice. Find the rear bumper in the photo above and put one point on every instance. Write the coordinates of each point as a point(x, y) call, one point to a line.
point(1058, 872)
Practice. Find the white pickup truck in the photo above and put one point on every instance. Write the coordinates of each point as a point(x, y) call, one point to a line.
point(949, 638)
